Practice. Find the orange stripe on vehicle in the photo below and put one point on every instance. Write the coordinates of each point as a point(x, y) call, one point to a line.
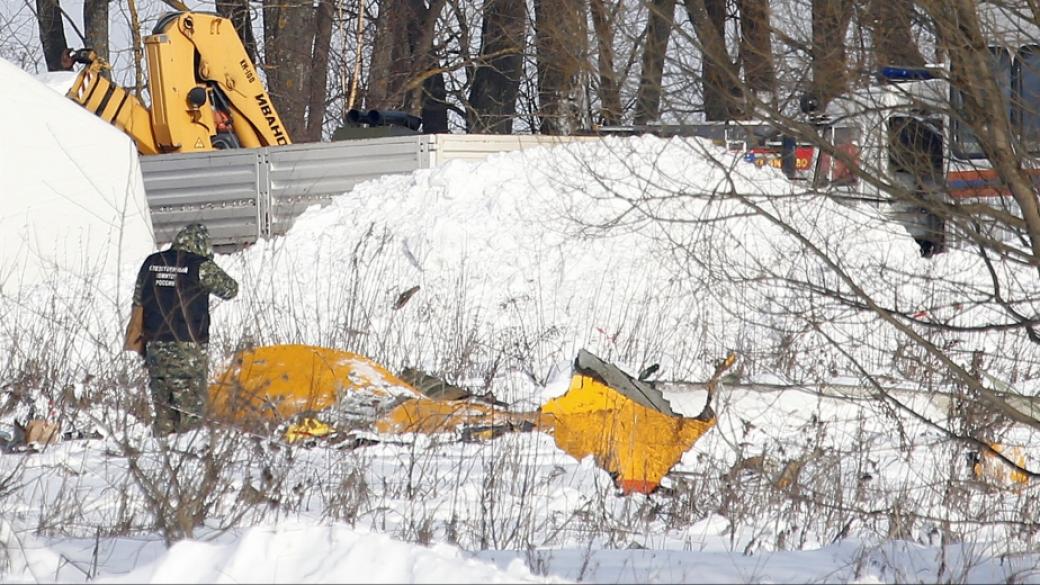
point(975, 183)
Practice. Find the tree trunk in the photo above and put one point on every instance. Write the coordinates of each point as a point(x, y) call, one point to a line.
point(237, 11)
point(423, 61)
point(289, 31)
point(388, 39)
point(95, 26)
point(435, 105)
point(320, 72)
point(659, 24)
point(830, 20)
point(723, 96)
point(402, 58)
point(138, 47)
point(889, 23)
point(609, 85)
point(496, 81)
point(52, 33)
point(756, 48)
point(560, 39)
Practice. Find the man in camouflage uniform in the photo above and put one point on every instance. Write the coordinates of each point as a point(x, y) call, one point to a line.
point(173, 287)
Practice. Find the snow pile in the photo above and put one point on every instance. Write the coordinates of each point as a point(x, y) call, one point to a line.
point(288, 553)
point(637, 249)
point(24, 559)
point(496, 247)
point(72, 203)
point(317, 554)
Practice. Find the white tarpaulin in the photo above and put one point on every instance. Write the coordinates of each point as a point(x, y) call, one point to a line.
point(71, 196)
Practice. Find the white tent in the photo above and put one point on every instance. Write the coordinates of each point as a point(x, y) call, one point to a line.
point(72, 201)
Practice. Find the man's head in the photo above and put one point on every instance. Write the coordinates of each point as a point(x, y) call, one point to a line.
point(193, 238)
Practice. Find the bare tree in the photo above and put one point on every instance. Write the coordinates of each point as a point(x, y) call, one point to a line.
point(723, 92)
point(289, 31)
point(756, 50)
point(659, 23)
point(402, 54)
point(427, 91)
point(894, 44)
point(604, 16)
point(434, 112)
point(95, 26)
point(830, 21)
point(137, 47)
point(388, 66)
point(561, 39)
point(319, 75)
point(496, 76)
point(52, 33)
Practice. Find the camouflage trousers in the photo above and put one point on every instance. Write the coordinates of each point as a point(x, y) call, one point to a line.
point(177, 375)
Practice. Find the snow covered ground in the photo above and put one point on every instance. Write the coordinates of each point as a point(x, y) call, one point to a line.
point(522, 260)
point(518, 510)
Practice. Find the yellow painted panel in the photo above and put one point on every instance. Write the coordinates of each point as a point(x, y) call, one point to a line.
point(992, 468)
point(307, 428)
point(171, 75)
point(425, 415)
point(276, 382)
point(636, 444)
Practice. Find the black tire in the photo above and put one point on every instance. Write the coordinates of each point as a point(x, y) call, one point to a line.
point(225, 141)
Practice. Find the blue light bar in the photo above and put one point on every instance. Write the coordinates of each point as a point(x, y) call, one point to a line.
point(906, 73)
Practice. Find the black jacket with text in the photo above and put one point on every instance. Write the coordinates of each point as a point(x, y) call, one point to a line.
point(176, 304)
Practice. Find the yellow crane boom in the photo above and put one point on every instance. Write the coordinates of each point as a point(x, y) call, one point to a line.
point(205, 91)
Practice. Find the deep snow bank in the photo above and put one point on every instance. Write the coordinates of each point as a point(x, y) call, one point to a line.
point(320, 554)
point(72, 202)
point(637, 249)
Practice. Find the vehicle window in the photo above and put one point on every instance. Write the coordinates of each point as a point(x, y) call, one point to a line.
point(965, 143)
point(838, 169)
point(915, 147)
point(1027, 99)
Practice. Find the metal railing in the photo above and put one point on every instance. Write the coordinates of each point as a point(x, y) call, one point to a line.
point(248, 194)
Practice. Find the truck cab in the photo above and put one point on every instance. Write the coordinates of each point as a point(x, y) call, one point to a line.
point(902, 145)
